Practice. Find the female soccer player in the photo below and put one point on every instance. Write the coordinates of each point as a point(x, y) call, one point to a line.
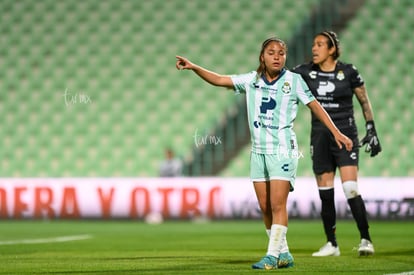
point(272, 95)
point(334, 84)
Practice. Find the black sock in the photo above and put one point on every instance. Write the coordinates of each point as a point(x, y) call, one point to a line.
point(359, 213)
point(328, 214)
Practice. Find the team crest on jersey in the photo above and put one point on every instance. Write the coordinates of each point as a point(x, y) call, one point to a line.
point(286, 88)
point(340, 75)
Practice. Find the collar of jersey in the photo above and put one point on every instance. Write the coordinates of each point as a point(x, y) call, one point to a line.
point(282, 72)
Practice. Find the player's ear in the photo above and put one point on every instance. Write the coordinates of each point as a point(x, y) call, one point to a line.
point(332, 51)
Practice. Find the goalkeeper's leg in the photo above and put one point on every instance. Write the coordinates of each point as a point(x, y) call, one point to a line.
point(358, 209)
point(328, 214)
point(359, 212)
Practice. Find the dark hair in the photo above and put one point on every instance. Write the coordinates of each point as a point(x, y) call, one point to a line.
point(261, 69)
point(333, 41)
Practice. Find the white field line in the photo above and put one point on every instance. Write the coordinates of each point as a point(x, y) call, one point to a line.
point(47, 240)
point(403, 273)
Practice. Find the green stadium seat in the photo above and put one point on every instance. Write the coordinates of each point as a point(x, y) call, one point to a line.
point(121, 53)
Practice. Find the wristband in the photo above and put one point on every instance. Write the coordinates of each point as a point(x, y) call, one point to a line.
point(370, 125)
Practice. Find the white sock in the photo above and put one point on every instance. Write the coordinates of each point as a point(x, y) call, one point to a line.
point(277, 234)
point(285, 247)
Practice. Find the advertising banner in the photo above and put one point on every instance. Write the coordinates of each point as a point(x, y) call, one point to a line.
point(185, 198)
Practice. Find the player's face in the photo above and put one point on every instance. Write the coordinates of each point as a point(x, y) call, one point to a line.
point(274, 57)
point(320, 50)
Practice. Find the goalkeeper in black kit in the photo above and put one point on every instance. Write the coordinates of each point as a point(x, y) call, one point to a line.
point(334, 84)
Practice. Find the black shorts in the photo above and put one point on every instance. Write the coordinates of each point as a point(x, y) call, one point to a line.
point(325, 153)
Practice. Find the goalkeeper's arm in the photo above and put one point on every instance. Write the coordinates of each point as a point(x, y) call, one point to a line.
point(371, 139)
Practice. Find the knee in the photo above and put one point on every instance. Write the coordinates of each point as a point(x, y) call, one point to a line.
point(350, 189)
point(278, 207)
point(265, 207)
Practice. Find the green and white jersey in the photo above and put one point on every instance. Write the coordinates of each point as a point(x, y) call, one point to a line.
point(272, 109)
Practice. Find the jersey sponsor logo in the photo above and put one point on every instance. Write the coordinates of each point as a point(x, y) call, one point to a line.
point(258, 124)
point(267, 104)
point(330, 105)
point(328, 75)
point(325, 87)
point(313, 74)
point(264, 88)
point(264, 117)
point(353, 155)
point(285, 167)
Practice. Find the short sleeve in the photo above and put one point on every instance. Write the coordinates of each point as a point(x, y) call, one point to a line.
point(304, 93)
point(241, 81)
point(356, 78)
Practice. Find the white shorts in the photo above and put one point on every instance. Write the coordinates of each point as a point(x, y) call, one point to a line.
point(265, 167)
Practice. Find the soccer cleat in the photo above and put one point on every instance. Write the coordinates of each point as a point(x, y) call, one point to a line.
point(285, 260)
point(366, 248)
point(327, 250)
point(268, 262)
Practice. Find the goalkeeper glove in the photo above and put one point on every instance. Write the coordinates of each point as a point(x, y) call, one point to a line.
point(371, 140)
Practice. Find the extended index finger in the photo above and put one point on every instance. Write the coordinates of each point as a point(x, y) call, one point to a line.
point(178, 63)
point(179, 57)
point(181, 61)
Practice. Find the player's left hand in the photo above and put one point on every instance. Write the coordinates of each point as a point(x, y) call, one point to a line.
point(371, 140)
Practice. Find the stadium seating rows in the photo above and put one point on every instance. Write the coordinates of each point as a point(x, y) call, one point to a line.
point(89, 88)
point(378, 42)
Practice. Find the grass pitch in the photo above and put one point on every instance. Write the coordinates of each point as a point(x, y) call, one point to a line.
point(218, 247)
